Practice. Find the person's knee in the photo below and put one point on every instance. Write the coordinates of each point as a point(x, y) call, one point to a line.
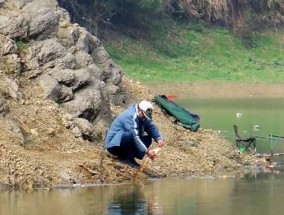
point(127, 137)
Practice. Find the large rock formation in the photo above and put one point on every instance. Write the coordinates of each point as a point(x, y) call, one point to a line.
point(40, 47)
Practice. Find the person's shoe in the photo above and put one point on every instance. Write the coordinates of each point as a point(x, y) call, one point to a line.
point(131, 162)
point(134, 162)
point(108, 154)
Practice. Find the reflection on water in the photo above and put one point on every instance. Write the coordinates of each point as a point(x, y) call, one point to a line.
point(133, 200)
point(258, 193)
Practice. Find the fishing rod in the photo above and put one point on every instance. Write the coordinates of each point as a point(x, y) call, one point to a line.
point(271, 137)
point(276, 136)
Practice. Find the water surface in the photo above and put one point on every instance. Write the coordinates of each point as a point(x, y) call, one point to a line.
point(259, 117)
point(255, 194)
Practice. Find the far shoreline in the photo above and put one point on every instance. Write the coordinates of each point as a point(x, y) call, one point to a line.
point(219, 90)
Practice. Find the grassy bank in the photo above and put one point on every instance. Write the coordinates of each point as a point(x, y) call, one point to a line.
point(195, 53)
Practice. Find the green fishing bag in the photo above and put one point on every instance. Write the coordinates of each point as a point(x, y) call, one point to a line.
point(183, 117)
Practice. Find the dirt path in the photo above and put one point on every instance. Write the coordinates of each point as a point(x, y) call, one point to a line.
point(220, 90)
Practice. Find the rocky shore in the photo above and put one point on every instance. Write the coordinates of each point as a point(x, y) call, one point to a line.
point(54, 157)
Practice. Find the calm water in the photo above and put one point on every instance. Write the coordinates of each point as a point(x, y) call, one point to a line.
point(258, 193)
point(254, 117)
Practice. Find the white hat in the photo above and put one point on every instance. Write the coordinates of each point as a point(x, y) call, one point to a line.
point(147, 109)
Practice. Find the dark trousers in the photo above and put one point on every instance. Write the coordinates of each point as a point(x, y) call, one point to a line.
point(128, 149)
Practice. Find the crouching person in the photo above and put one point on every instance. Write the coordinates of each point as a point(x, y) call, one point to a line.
point(130, 134)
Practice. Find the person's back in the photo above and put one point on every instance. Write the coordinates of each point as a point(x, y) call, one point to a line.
point(123, 122)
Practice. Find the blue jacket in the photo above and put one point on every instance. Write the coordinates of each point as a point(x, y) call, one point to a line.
point(129, 121)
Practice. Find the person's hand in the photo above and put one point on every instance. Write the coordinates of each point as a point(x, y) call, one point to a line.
point(151, 153)
point(160, 143)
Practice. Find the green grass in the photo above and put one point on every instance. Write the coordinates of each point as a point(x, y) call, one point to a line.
point(190, 54)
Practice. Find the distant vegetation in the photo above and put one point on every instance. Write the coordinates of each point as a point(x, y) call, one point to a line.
point(243, 16)
point(189, 54)
point(157, 41)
